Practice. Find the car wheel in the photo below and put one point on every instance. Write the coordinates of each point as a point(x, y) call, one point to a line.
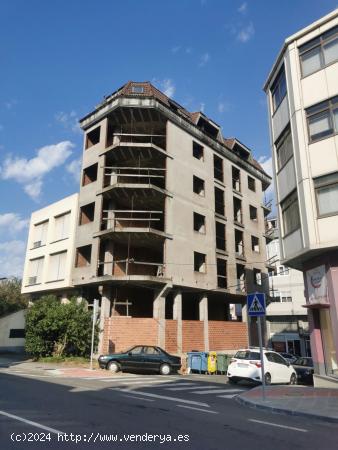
point(113, 366)
point(231, 381)
point(165, 369)
point(267, 378)
point(293, 379)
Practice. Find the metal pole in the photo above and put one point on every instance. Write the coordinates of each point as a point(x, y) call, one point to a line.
point(259, 327)
point(93, 333)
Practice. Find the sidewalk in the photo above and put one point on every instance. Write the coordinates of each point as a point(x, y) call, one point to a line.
point(317, 403)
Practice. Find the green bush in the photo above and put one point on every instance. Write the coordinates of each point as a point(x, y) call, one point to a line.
point(59, 329)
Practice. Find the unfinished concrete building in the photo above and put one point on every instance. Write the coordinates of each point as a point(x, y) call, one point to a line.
point(171, 224)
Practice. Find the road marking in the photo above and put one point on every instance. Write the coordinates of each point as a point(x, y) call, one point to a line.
point(227, 396)
point(139, 398)
point(138, 383)
point(278, 425)
point(183, 388)
point(30, 422)
point(197, 409)
point(133, 379)
point(164, 397)
point(182, 384)
point(216, 391)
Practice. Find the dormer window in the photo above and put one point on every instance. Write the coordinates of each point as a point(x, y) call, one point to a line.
point(137, 89)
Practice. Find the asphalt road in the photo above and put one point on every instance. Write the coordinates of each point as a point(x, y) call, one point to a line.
point(136, 411)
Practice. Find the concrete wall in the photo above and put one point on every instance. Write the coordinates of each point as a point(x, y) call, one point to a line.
point(68, 204)
point(12, 321)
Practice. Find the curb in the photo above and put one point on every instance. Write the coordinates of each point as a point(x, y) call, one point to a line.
point(289, 412)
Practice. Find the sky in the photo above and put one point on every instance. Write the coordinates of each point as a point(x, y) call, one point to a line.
point(58, 60)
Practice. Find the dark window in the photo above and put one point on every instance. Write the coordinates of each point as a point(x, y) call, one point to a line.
point(199, 262)
point(89, 174)
point(257, 277)
point(238, 217)
point(278, 89)
point(284, 149)
point(239, 243)
point(83, 256)
point(326, 189)
point(254, 244)
point(197, 150)
point(220, 236)
point(322, 119)
point(253, 212)
point(199, 223)
point(218, 168)
point(221, 273)
point(219, 202)
point(17, 333)
point(93, 137)
point(198, 186)
point(290, 213)
point(236, 179)
point(86, 213)
point(251, 184)
point(319, 52)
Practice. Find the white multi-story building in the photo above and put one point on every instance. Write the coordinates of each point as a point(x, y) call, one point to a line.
point(286, 316)
point(302, 91)
point(50, 249)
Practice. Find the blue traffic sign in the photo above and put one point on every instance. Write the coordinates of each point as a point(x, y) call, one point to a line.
point(256, 304)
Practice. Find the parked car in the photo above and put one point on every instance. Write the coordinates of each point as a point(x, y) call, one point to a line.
point(246, 365)
point(304, 369)
point(141, 358)
point(289, 357)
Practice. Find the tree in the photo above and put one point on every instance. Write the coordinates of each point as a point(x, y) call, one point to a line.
point(11, 299)
point(58, 329)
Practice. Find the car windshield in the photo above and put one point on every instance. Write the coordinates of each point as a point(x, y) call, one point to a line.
point(247, 354)
point(303, 362)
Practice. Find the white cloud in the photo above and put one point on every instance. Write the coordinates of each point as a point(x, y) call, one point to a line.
point(74, 168)
point(202, 107)
point(223, 107)
point(243, 8)
point(246, 33)
point(12, 256)
point(30, 172)
point(12, 223)
point(205, 58)
point(70, 121)
point(167, 86)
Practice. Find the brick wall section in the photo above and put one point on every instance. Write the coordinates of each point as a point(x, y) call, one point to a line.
point(120, 333)
point(192, 335)
point(227, 335)
point(171, 336)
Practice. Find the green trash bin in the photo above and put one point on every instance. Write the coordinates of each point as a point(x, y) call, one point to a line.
point(222, 363)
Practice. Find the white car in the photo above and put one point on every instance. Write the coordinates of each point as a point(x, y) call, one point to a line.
point(246, 365)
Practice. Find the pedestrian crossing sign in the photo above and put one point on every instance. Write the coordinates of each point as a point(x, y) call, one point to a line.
point(256, 304)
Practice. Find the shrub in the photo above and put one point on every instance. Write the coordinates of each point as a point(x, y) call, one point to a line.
point(59, 329)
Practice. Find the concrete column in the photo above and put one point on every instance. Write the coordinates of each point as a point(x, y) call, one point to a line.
point(64, 298)
point(203, 309)
point(159, 314)
point(104, 313)
point(177, 315)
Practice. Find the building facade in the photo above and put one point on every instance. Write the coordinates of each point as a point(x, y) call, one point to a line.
point(302, 92)
point(170, 230)
point(50, 250)
point(286, 317)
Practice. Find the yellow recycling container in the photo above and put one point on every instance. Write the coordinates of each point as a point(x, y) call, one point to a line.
point(212, 362)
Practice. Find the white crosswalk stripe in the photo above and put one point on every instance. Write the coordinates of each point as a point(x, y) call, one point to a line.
point(215, 391)
point(188, 388)
point(228, 396)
